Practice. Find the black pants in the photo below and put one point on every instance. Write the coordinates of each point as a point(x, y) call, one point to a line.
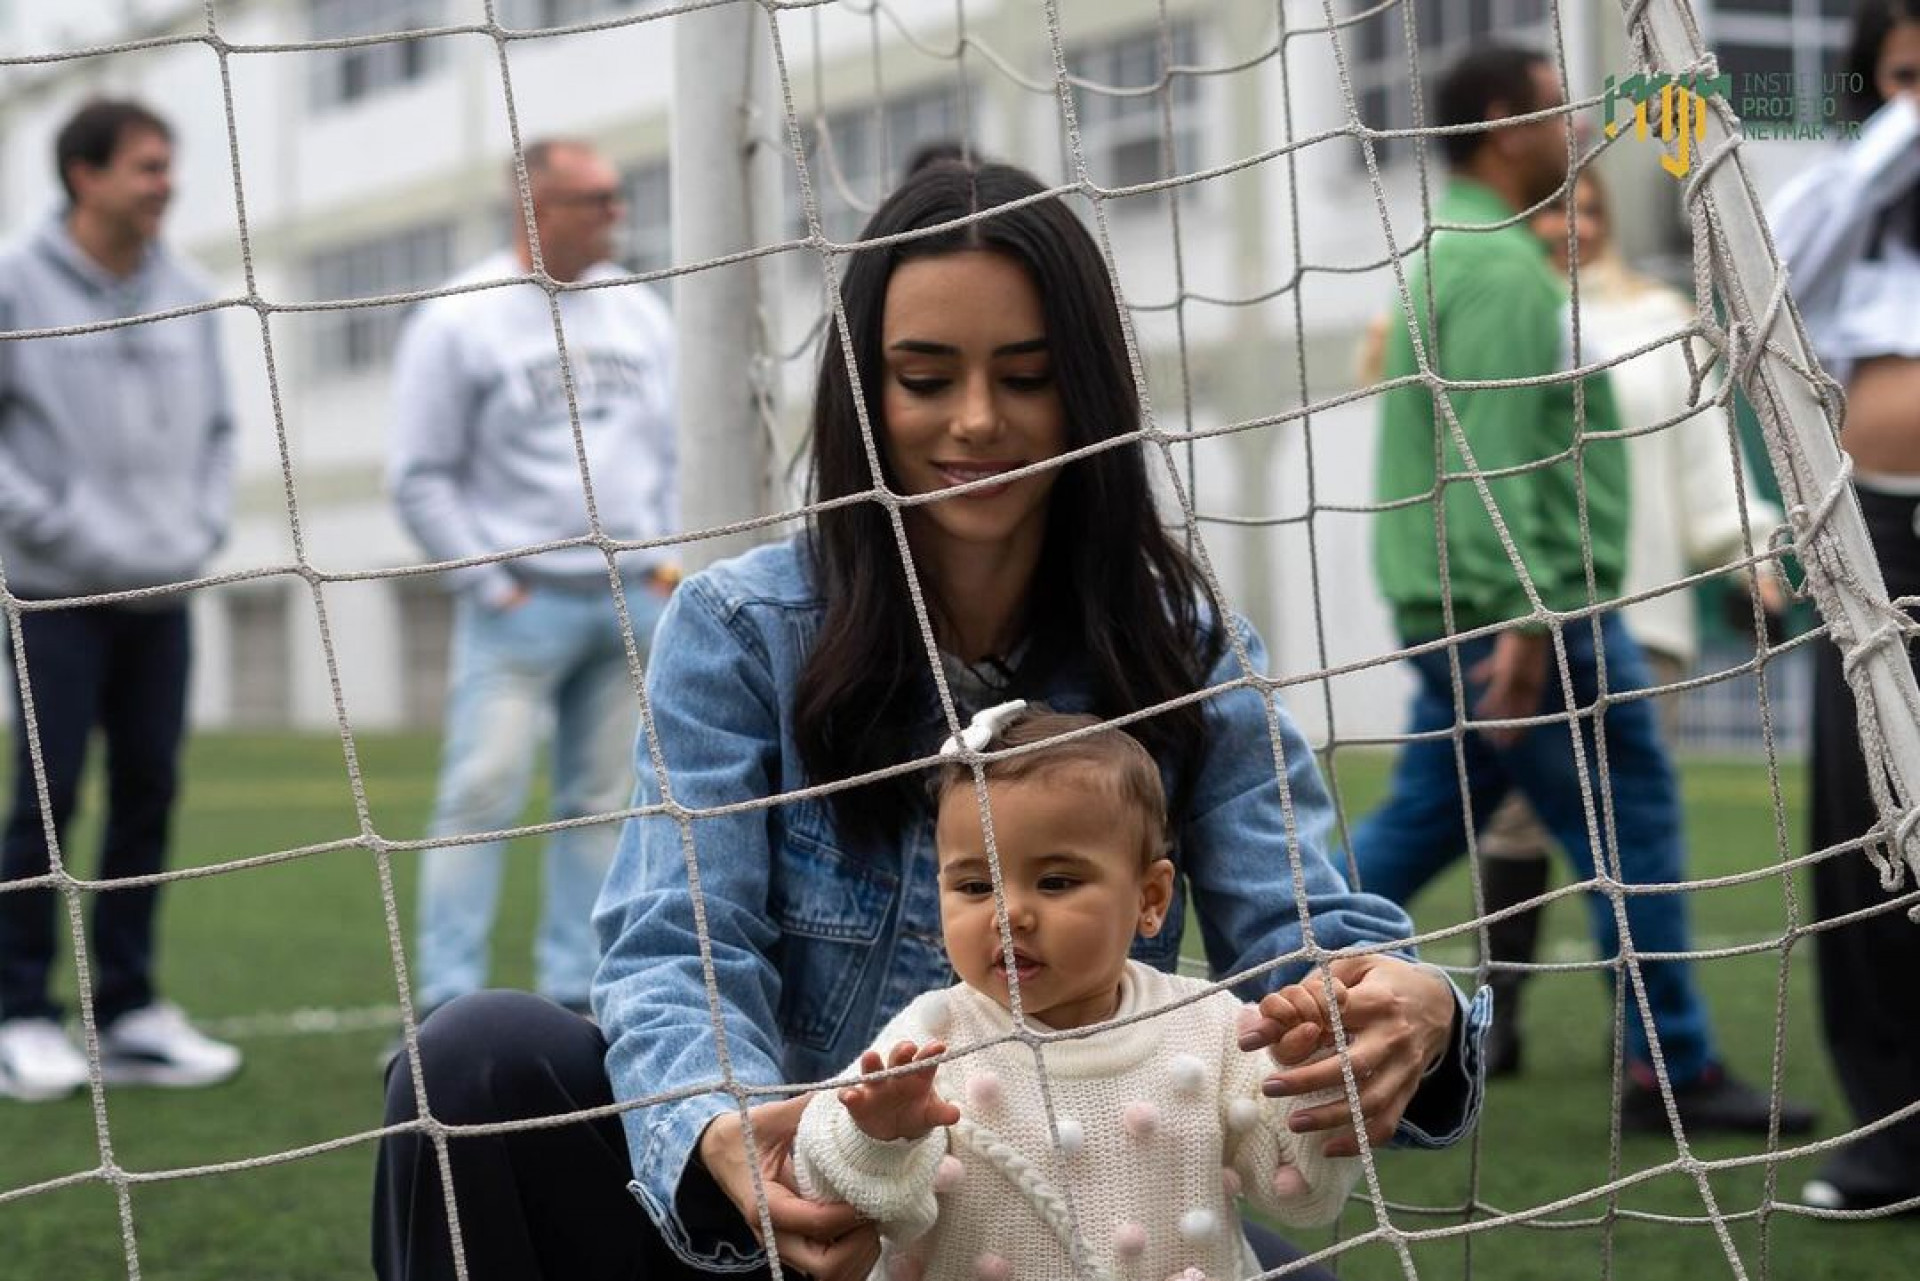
point(124, 671)
point(544, 1203)
point(1869, 1002)
point(539, 1204)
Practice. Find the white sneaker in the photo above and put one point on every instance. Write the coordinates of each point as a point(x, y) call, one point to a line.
point(155, 1045)
point(38, 1062)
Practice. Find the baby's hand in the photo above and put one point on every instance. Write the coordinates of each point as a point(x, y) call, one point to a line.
point(899, 1107)
point(1293, 1023)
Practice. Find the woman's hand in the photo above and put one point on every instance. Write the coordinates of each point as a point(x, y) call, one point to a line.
point(1398, 1019)
point(899, 1107)
point(827, 1240)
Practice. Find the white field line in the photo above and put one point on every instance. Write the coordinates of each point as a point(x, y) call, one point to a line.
point(303, 1022)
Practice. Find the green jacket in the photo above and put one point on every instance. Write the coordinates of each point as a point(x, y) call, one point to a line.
point(1499, 311)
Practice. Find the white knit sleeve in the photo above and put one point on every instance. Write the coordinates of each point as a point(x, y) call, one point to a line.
point(1259, 1145)
point(890, 1182)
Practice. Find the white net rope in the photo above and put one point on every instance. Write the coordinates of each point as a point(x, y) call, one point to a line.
point(1759, 345)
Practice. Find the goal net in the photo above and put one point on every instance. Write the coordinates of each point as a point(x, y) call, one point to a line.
point(1261, 179)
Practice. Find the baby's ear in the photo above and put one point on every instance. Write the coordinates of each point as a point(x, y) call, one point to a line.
point(1156, 896)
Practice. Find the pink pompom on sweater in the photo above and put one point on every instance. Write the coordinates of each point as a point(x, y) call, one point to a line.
point(1156, 1117)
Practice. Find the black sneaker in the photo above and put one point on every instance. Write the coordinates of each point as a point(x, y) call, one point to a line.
point(1713, 1103)
point(1824, 1193)
point(1852, 1182)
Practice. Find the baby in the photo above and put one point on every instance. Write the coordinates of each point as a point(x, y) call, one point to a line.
point(1158, 1130)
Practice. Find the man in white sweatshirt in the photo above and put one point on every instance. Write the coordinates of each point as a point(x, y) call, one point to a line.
point(501, 423)
point(116, 462)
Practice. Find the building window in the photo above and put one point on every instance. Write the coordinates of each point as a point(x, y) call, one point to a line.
point(862, 152)
point(342, 76)
point(1778, 53)
point(648, 192)
point(1812, 10)
point(357, 339)
point(533, 15)
point(260, 695)
point(1376, 50)
point(1122, 133)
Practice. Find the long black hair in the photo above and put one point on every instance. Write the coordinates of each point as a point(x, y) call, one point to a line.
point(1873, 22)
point(1112, 591)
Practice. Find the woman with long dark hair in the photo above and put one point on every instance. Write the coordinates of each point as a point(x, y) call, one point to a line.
point(1849, 233)
point(980, 353)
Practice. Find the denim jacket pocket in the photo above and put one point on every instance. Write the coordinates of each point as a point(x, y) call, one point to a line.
point(830, 909)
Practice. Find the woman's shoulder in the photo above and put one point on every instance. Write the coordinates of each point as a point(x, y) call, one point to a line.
point(779, 575)
point(1219, 631)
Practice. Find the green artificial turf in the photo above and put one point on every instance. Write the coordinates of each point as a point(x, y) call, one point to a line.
point(244, 949)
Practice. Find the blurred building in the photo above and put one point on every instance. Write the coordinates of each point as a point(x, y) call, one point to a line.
point(380, 168)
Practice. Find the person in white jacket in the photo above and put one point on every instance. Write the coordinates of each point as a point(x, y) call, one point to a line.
point(1121, 1152)
point(497, 431)
point(1692, 511)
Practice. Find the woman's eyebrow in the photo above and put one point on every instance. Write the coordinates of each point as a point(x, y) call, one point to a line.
point(923, 347)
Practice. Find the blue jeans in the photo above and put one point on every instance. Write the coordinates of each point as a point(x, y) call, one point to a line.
point(1421, 828)
point(125, 672)
point(556, 659)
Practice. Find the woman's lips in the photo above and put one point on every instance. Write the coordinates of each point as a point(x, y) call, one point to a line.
point(967, 473)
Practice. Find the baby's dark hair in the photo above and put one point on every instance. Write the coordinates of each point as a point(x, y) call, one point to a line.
point(1111, 759)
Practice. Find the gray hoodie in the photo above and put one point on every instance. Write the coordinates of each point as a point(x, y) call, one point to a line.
point(484, 459)
point(116, 447)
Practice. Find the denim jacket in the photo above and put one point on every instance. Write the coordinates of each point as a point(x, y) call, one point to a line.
point(815, 943)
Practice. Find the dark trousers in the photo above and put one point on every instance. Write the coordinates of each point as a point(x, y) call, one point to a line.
point(1869, 1003)
point(539, 1204)
point(124, 671)
point(532, 1204)
point(1421, 828)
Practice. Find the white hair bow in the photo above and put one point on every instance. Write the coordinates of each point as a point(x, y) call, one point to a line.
point(980, 730)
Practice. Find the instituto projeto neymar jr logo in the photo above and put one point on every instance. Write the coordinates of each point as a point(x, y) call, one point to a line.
point(1769, 104)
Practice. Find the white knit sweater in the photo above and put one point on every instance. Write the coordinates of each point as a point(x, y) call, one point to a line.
point(1162, 1131)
